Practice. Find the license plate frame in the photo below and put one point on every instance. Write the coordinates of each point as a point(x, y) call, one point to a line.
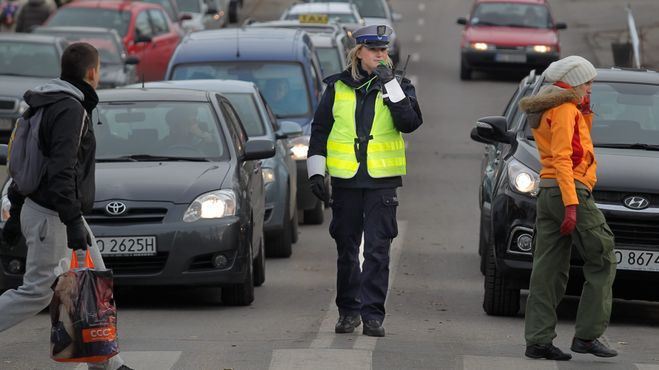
point(510, 57)
point(127, 246)
point(637, 260)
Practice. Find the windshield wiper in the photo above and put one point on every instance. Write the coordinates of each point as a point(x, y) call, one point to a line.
point(629, 146)
point(151, 158)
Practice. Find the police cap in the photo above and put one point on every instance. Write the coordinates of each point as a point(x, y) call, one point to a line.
point(374, 36)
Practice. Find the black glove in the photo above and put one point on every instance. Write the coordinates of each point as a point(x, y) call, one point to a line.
point(76, 235)
point(12, 231)
point(318, 189)
point(384, 73)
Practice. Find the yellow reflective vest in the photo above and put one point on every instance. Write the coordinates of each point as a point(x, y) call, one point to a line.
point(385, 154)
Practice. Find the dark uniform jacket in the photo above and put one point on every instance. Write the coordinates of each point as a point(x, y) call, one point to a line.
point(406, 116)
point(68, 187)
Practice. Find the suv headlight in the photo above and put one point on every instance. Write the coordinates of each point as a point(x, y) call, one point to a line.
point(523, 179)
point(215, 204)
point(268, 175)
point(299, 147)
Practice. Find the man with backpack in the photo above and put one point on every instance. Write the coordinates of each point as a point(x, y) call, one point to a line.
point(50, 215)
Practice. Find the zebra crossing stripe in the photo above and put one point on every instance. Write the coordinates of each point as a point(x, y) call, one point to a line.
point(505, 363)
point(147, 360)
point(321, 359)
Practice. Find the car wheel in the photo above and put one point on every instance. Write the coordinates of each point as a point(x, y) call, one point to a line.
point(280, 245)
point(465, 71)
point(482, 246)
point(316, 215)
point(498, 300)
point(241, 294)
point(259, 267)
point(294, 226)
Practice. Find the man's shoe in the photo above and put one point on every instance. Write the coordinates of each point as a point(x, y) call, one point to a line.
point(373, 328)
point(347, 323)
point(594, 347)
point(548, 351)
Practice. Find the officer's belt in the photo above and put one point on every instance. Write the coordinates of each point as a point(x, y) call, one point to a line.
point(552, 183)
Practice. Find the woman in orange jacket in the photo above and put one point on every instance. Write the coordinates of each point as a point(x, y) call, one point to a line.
point(561, 120)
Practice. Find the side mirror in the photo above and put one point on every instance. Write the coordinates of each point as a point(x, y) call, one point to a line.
point(396, 17)
point(259, 149)
point(4, 151)
point(145, 39)
point(493, 129)
point(462, 21)
point(132, 60)
point(288, 129)
point(185, 17)
point(560, 26)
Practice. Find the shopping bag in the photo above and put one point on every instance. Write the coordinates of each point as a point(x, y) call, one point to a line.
point(83, 314)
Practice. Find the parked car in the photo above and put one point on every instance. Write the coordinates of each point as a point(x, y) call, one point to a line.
point(179, 194)
point(117, 68)
point(508, 35)
point(344, 13)
point(146, 31)
point(625, 135)
point(279, 172)
point(203, 14)
point(25, 61)
point(282, 63)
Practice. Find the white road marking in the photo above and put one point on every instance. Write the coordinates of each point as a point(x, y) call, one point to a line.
point(147, 360)
point(421, 21)
point(415, 57)
point(422, 7)
point(505, 363)
point(321, 359)
point(418, 38)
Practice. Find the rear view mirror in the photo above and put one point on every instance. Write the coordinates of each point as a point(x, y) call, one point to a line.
point(462, 21)
point(560, 26)
point(288, 129)
point(259, 149)
point(492, 129)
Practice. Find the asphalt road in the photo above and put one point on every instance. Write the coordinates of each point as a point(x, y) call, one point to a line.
point(434, 318)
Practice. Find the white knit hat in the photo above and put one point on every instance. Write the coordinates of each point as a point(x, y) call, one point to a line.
point(573, 70)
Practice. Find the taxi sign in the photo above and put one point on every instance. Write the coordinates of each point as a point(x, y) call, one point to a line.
point(313, 18)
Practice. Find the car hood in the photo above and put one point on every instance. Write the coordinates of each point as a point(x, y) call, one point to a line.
point(617, 169)
point(17, 86)
point(177, 182)
point(511, 35)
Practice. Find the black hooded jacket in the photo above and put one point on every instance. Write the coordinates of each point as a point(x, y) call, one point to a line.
point(66, 138)
point(406, 115)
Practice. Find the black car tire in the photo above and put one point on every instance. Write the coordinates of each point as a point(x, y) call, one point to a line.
point(465, 71)
point(482, 247)
point(280, 246)
point(498, 300)
point(294, 226)
point(259, 267)
point(241, 294)
point(316, 215)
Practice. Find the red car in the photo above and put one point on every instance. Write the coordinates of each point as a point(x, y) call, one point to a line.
point(145, 29)
point(508, 35)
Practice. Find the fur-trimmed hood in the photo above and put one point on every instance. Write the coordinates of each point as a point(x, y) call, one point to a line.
point(548, 97)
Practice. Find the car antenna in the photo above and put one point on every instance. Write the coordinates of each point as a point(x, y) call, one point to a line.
point(237, 42)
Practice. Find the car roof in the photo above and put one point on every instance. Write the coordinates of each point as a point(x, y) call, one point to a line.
point(294, 23)
point(74, 29)
point(127, 94)
point(323, 39)
point(542, 2)
point(315, 8)
point(277, 44)
point(29, 37)
point(221, 86)
point(112, 4)
point(640, 76)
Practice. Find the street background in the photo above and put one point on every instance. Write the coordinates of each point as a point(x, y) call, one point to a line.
point(434, 315)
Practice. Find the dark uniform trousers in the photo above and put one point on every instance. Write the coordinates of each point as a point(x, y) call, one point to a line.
point(594, 241)
point(373, 212)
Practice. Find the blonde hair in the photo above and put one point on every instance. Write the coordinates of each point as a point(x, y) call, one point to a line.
point(353, 62)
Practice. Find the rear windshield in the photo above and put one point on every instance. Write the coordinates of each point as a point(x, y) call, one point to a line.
point(92, 17)
point(511, 15)
point(249, 114)
point(29, 59)
point(283, 84)
point(160, 129)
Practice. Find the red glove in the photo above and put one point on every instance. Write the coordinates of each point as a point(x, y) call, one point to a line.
point(584, 106)
point(569, 220)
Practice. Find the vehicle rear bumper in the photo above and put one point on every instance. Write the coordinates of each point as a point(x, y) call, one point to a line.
point(486, 60)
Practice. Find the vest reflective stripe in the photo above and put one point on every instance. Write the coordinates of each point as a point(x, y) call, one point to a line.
point(385, 155)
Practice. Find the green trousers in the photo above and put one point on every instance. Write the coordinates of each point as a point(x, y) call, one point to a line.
point(551, 265)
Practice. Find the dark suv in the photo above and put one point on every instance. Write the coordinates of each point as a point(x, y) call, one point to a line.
point(625, 134)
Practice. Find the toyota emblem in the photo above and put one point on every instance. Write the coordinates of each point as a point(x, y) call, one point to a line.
point(115, 208)
point(636, 202)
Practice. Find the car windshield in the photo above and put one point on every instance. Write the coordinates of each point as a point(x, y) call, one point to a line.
point(283, 84)
point(248, 112)
point(330, 60)
point(336, 17)
point(117, 20)
point(158, 130)
point(366, 8)
point(29, 59)
point(108, 49)
point(511, 15)
point(188, 6)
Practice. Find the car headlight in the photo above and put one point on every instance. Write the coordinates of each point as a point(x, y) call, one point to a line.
point(540, 48)
point(268, 175)
point(299, 147)
point(523, 179)
point(215, 204)
point(22, 107)
point(481, 46)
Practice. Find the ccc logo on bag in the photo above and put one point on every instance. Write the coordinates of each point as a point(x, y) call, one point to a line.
point(102, 334)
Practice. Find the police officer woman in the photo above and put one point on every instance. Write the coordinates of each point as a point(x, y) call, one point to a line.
point(356, 137)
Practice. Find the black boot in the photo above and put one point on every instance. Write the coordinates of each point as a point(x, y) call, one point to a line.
point(373, 328)
point(548, 351)
point(594, 347)
point(347, 323)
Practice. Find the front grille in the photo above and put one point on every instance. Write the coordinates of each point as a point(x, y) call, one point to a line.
point(499, 47)
point(140, 265)
point(631, 232)
point(98, 216)
point(616, 197)
point(7, 104)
